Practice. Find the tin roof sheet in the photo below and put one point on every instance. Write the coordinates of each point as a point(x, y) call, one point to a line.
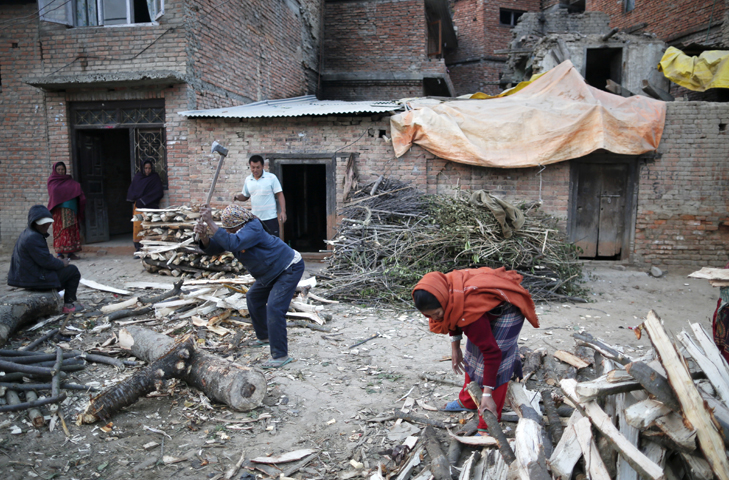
point(295, 107)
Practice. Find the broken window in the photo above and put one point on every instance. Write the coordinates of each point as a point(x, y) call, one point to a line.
point(628, 5)
point(603, 64)
point(509, 17)
point(88, 13)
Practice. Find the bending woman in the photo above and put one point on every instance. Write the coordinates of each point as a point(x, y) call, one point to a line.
point(489, 307)
point(67, 203)
point(146, 191)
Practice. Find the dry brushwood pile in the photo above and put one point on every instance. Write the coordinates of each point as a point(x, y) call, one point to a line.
point(168, 245)
point(663, 415)
point(391, 235)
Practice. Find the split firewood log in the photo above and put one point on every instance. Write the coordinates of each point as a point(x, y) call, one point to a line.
point(24, 307)
point(173, 364)
point(242, 388)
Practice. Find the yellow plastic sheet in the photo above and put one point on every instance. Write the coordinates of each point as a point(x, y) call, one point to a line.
point(708, 70)
point(554, 118)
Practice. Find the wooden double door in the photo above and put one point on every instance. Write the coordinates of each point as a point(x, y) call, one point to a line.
point(602, 206)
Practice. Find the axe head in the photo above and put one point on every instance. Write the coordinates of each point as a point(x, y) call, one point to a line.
point(216, 147)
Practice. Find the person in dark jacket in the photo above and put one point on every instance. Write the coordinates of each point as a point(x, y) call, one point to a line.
point(276, 267)
point(146, 191)
point(33, 267)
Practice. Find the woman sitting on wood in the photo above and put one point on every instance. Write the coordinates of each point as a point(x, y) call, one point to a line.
point(276, 267)
point(489, 306)
point(146, 191)
point(68, 204)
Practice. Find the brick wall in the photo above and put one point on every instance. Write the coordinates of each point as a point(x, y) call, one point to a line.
point(23, 137)
point(474, 65)
point(683, 207)
point(668, 20)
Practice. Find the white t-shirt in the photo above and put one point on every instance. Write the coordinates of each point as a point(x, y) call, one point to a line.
point(262, 193)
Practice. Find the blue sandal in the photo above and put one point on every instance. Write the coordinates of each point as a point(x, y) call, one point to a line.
point(277, 362)
point(255, 343)
point(456, 406)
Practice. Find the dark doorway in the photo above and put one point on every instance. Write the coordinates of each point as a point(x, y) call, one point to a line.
point(104, 171)
point(304, 187)
point(601, 214)
point(603, 64)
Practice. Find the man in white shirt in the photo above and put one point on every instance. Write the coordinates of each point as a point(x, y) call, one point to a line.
point(263, 188)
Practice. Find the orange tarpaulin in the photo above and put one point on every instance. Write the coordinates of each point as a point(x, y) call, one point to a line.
point(555, 118)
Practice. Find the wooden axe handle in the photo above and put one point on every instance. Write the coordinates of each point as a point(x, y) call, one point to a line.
point(215, 180)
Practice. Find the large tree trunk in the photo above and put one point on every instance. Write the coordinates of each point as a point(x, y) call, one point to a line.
point(241, 388)
point(24, 307)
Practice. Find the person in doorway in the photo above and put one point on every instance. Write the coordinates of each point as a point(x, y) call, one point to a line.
point(489, 307)
point(68, 204)
point(276, 267)
point(33, 267)
point(146, 191)
point(720, 323)
point(263, 188)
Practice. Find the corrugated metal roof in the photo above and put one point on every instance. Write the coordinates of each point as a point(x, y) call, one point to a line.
point(295, 107)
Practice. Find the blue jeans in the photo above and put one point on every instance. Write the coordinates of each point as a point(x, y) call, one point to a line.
point(268, 306)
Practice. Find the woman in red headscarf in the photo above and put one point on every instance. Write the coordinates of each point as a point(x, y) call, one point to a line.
point(489, 307)
point(67, 203)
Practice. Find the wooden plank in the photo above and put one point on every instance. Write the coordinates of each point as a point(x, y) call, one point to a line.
point(152, 285)
point(623, 401)
point(655, 452)
point(672, 425)
point(642, 414)
point(601, 387)
point(103, 288)
point(526, 405)
point(530, 463)
point(107, 309)
point(713, 372)
point(412, 463)
point(708, 273)
point(571, 359)
point(593, 462)
point(719, 283)
point(240, 280)
point(567, 452)
point(706, 342)
point(285, 458)
point(603, 422)
point(691, 402)
point(699, 468)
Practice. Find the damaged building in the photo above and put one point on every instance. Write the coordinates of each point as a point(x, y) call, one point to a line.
point(310, 86)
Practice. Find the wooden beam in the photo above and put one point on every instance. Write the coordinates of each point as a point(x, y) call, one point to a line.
point(622, 402)
point(604, 424)
point(522, 405)
point(708, 273)
point(656, 92)
point(568, 451)
point(571, 359)
point(688, 396)
point(530, 463)
point(601, 387)
point(642, 414)
point(672, 425)
point(593, 462)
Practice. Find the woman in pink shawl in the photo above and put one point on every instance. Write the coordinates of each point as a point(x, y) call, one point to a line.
point(67, 203)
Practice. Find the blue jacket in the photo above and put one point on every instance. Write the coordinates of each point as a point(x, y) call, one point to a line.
point(32, 265)
point(263, 255)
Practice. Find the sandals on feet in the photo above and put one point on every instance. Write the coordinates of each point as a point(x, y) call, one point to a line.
point(255, 343)
point(277, 362)
point(455, 406)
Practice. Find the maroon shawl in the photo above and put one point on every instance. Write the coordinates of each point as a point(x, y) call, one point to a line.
point(62, 188)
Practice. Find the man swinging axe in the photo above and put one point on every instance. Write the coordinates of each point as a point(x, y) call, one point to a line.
point(276, 267)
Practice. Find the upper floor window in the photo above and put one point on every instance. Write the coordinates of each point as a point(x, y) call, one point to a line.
point(509, 17)
point(86, 13)
point(628, 5)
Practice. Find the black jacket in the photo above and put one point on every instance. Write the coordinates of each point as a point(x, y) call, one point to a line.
point(32, 265)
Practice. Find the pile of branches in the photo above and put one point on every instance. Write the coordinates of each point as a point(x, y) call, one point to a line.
point(168, 246)
point(388, 240)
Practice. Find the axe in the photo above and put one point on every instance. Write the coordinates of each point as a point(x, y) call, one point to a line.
point(216, 147)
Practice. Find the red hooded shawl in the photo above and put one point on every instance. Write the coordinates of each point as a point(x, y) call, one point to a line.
point(62, 188)
point(466, 295)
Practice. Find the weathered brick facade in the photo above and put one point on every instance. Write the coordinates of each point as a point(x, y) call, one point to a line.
point(476, 65)
point(200, 54)
point(670, 21)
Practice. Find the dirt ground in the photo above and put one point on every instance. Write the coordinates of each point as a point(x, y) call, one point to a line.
point(325, 399)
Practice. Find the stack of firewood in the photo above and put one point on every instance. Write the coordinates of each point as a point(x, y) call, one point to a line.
point(664, 415)
point(168, 246)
